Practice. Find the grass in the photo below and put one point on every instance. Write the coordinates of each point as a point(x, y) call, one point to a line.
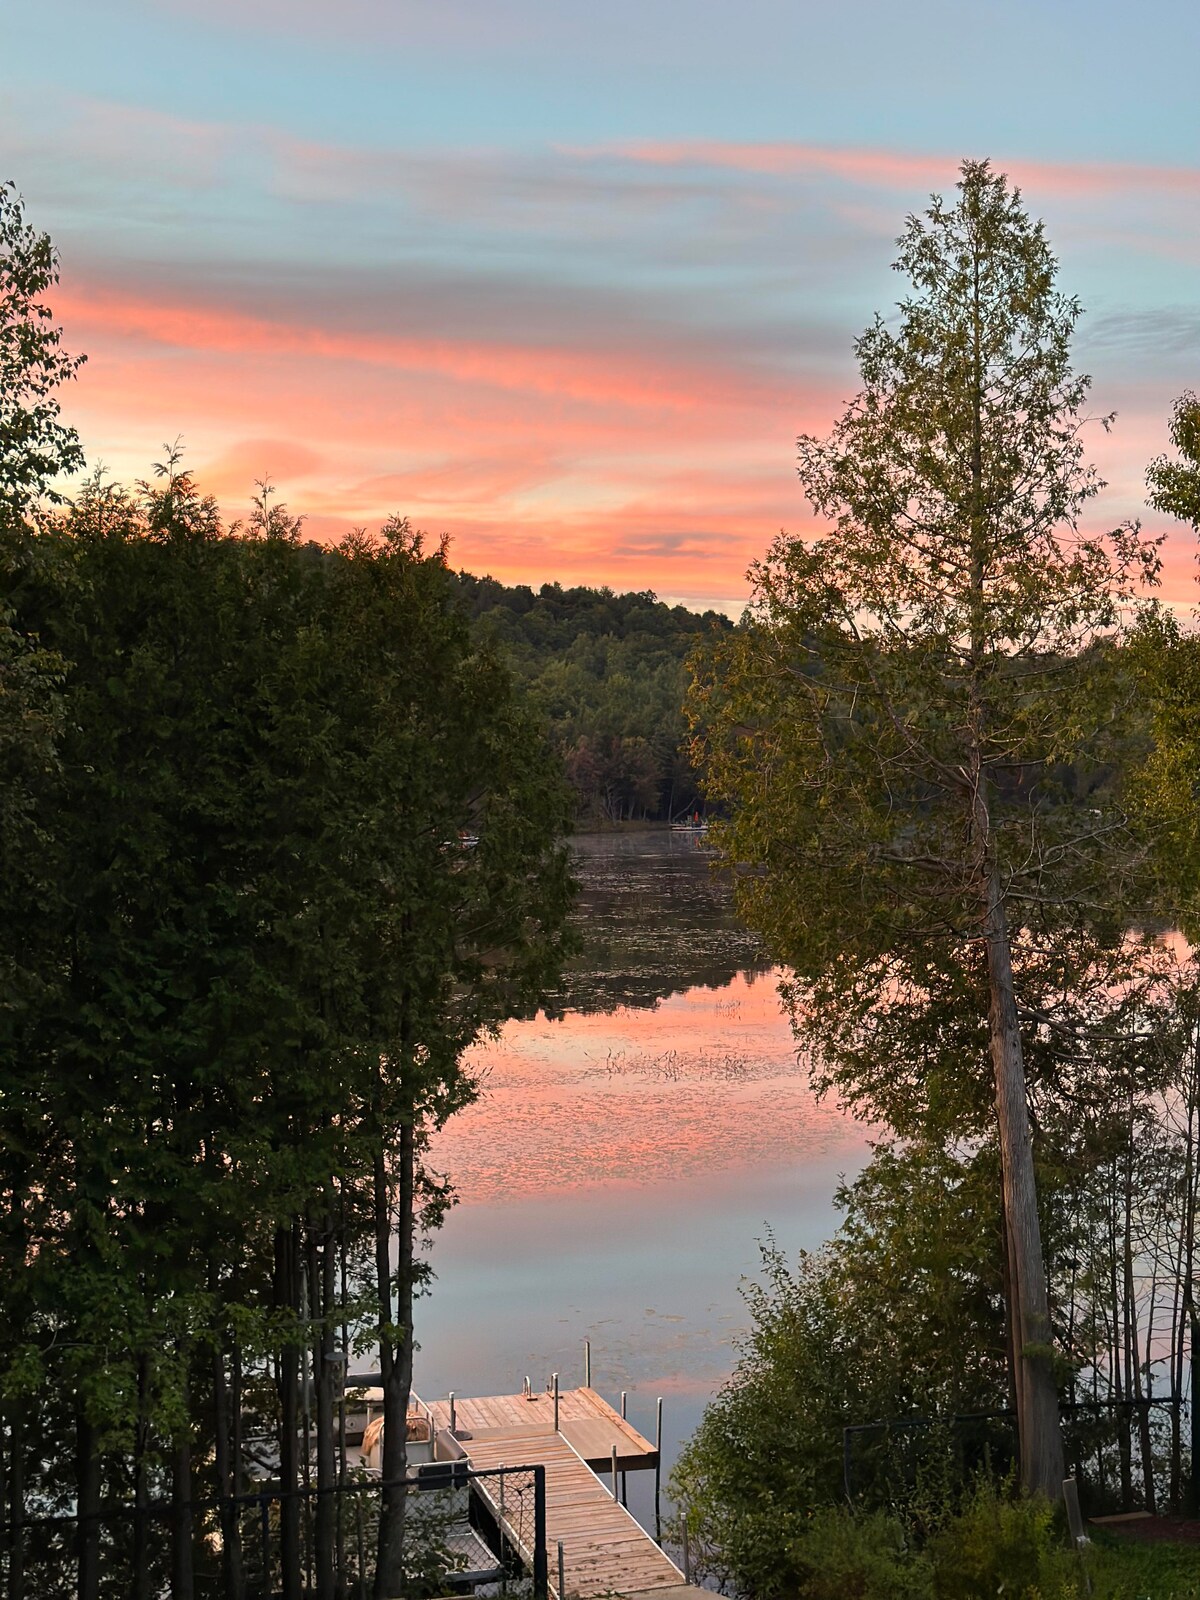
point(1131, 1569)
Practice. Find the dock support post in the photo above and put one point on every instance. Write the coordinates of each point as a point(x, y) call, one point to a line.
point(452, 1417)
point(687, 1554)
point(541, 1576)
point(624, 1484)
point(614, 1471)
point(587, 1363)
point(562, 1578)
point(556, 1402)
point(658, 1469)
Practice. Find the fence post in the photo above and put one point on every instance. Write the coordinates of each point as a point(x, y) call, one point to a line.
point(541, 1576)
point(657, 1468)
point(1078, 1533)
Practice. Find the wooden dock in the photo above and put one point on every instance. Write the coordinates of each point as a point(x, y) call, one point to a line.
point(606, 1551)
point(585, 1420)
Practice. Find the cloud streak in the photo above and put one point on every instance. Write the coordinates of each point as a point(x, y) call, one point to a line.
point(892, 169)
point(587, 360)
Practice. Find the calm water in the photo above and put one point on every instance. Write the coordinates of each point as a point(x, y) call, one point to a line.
point(626, 1154)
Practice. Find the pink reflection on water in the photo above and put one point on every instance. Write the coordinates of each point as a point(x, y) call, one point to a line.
point(706, 1082)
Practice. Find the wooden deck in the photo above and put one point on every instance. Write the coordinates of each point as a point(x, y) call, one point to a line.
point(585, 1420)
point(605, 1550)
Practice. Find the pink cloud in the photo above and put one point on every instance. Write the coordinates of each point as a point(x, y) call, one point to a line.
point(892, 169)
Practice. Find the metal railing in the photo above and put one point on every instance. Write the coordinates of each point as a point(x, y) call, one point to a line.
point(463, 1527)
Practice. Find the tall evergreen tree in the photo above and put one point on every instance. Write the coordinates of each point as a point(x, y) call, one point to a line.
point(899, 725)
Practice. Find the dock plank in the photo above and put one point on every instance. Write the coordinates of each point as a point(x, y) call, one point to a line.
point(606, 1551)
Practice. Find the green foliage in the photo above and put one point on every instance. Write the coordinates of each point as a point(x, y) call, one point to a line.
point(1126, 1569)
point(35, 447)
point(1175, 485)
point(993, 1545)
point(899, 1316)
point(1167, 661)
point(256, 941)
point(606, 671)
point(937, 648)
point(1001, 1545)
point(839, 1554)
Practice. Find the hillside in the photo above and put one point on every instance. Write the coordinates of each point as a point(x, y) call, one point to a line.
point(607, 672)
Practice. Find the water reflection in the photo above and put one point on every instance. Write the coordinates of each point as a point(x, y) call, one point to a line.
point(656, 920)
point(705, 1082)
point(626, 1154)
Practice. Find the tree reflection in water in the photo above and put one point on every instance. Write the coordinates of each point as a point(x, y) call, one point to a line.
point(656, 920)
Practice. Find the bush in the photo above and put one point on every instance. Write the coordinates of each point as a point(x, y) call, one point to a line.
point(843, 1555)
point(1002, 1545)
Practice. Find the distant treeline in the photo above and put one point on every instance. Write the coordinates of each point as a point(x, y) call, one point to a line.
point(606, 672)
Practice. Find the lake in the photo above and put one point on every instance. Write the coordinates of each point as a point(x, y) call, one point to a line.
point(626, 1154)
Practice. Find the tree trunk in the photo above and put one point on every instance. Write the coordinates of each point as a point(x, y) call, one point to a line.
point(289, 1425)
point(1133, 1364)
point(231, 1550)
point(141, 1487)
point(1038, 1426)
point(236, 1570)
point(1187, 1252)
point(1010, 1306)
point(183, 1577)
point(395, 1359)
point(1119, 1373)
point(1039, 1431)
point(321, 1290)
point(87, 1541)
point(16, 1502)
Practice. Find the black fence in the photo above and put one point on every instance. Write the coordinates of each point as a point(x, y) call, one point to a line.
point(463, 1529)
point(1104, 1441)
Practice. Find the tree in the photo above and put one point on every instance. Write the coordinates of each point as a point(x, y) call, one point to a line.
point(35, 447)
point(901, 722)
point(1175, 485)
point(900, 1312)
point(265, 949)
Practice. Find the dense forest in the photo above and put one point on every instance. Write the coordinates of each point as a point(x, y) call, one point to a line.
point(606, 673)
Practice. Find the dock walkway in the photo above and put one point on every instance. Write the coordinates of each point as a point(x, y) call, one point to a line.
point(606, 1551)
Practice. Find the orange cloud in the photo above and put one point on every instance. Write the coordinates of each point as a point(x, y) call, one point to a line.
point(600, 377)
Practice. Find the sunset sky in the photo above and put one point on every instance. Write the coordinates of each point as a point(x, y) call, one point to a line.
point(564, 280)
